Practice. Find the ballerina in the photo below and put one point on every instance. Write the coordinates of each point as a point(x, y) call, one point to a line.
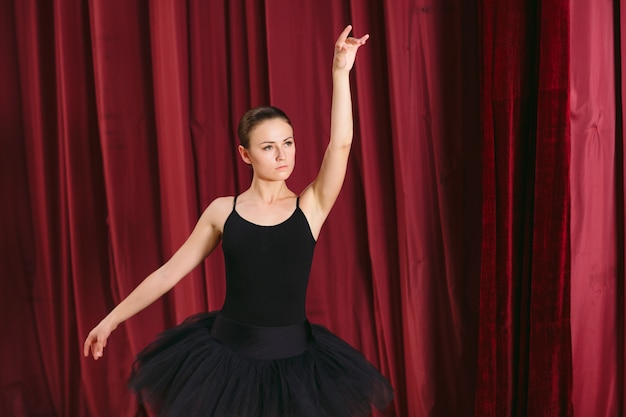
point(258, 355)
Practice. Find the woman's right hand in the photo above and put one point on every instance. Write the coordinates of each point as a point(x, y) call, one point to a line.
point(97, 340)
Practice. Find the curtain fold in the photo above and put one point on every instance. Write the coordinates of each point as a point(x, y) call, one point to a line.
point(24, 385)
point(524, 360)
point(619, 22)
point(438, 205)
point(593, 224)
point(484, 197)
point(176, 166)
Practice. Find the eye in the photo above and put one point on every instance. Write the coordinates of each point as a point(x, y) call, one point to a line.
point(267, 148)
point(289, 143)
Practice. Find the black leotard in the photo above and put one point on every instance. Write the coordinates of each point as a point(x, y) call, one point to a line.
point(267, 269)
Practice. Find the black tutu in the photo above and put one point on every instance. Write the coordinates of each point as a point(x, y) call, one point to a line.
point(188, 372)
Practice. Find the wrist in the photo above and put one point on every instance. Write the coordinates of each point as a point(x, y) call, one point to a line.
point(109, 322)
point(340, 73)
point(341, 79)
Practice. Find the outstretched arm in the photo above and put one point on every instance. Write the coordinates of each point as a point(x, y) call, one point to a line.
point(200, 243)
point(322, 193)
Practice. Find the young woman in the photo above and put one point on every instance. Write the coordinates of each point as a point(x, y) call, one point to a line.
point(258, 355)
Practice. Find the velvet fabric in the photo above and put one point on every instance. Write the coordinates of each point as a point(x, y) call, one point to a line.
point(475, 255)
point(119, 123)
point(524, 351)
point(619, 29)
point(595, 223)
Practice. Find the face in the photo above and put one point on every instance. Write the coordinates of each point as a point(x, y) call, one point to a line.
point(272, 150)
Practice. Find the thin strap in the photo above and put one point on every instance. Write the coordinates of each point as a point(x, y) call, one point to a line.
point(297, 201)
point(234, 202)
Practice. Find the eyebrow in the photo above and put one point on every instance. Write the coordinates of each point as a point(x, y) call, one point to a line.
point(273, 141)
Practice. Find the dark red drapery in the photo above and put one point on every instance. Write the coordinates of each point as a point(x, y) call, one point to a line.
point(480, 138)
point(524, 336)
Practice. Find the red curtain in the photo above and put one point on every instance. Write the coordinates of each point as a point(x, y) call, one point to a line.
point(597, 195)
point(619, 30)
point(524, 336)
point(475, 255)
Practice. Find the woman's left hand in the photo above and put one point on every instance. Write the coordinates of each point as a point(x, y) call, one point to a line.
point(346, 49)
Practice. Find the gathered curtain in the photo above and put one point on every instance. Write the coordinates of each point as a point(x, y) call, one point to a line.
point(475, 254)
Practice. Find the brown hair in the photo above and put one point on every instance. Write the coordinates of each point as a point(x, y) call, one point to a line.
point(255, 116)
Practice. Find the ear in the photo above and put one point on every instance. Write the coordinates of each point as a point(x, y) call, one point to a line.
point(243, 152)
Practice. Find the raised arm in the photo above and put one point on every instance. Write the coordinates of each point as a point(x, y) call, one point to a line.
point(202, 240)
point(320, 196)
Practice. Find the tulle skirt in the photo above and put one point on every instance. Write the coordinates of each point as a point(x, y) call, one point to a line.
point(210, 366)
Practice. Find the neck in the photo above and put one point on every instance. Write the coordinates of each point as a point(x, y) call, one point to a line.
point(269, 191)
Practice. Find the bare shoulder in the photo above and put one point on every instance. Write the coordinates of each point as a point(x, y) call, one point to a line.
point(217, 212)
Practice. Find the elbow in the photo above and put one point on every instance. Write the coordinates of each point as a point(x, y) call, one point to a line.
point(343, 140)
point(340, 147)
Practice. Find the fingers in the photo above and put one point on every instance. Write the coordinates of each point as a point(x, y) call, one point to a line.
point(96, 345)
point(97, 352)
point(344, 40)
point(98, 348)
point(360, 41)
point(344, 35)
point(86, 346)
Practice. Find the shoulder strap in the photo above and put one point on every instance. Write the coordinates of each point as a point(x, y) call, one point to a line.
point(297, 201)
point(235, 202)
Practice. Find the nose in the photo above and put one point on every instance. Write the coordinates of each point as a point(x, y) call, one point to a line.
point(281, 154)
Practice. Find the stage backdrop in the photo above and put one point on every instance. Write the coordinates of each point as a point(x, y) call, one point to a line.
point(475, 255)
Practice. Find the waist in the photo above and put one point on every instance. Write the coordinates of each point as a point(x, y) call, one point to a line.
point(261, 342)
point(250, 307)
